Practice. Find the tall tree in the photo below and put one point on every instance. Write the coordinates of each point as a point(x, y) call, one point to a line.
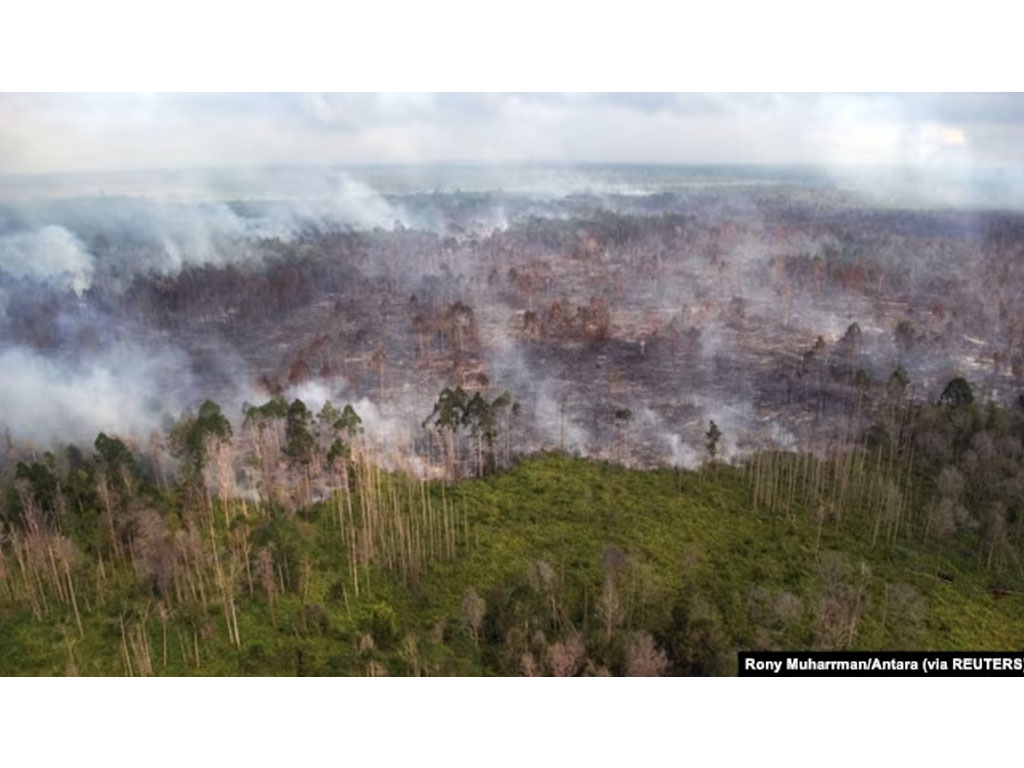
point(713, 438)
point(958, 393)
point(299, 441)
point(191, 438)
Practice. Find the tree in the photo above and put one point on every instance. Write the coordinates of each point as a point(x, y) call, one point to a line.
point(328, 416)
point(542, 579)
point(349, 422)
point(905, 335)
point(261, 415)
point(191, 436)
point(566, 658)
point(212, 421)
point(811, 355)
point(262, 421)
point(957, 393)
point(338, 451)
point(898, 382)
point(643, 657)
point(265, 575)
point(461, 325)
point(850, 344)
point(714, 436)
point(299, 440)
point(383, 625)
point(473, 609)
point(842, 602)
point(335, 426)
point(116, 460)
point(449, 410)
point(609, 602)
point(300, 444)
point(42, 481)
point(480, 416)
point(448, 415)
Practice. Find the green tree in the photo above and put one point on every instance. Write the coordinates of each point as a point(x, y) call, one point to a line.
point(449, 411)
point(448, 415)
point(713, 437)
point(116, 461)
point(261, 415)
point(898, 382)
point(349, 422)
point(338, 427)
point(42, 480)
point(328, 416)
point(339, 450)
point(189, 438)
point(957, 393)
point(299, 441)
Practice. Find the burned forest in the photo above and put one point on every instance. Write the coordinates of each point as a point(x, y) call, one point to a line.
point(576, 420)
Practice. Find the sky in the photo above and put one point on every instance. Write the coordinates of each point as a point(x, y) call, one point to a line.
point(71, 133)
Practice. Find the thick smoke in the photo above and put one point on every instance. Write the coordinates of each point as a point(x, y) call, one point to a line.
point(55, 245)
point(713, 289)
point(50, 254)
point(74, 238)
point(129, 391)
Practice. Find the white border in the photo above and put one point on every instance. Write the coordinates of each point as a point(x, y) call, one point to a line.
point(531, 45)
point(312, 45)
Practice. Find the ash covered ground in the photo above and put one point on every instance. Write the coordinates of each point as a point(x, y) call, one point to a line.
point(623, 308)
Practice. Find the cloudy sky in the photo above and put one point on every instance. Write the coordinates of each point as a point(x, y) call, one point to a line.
point(53, 133)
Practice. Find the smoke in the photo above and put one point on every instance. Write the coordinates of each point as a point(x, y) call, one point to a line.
point(388, 428)
point(313, 393)
point(555, 422)
point(51, 253)
point(695, 271)
point(61, 243)
point(73, 239)
point(681, 454)
point(127, 391)
point(54, 245)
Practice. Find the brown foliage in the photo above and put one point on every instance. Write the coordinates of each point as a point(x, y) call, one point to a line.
point(567, 657)
point(643, 657)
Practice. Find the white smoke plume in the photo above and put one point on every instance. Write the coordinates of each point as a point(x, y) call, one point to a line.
point(51, 253)
point(126, 391)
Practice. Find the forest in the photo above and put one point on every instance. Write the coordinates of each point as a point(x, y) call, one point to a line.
point(507, 433)
point(908, 537)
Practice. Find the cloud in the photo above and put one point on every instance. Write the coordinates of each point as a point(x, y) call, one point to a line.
point(82, 132)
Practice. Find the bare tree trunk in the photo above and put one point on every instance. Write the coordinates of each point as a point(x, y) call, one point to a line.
point(74, 602)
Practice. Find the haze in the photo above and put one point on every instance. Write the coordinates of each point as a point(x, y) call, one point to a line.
point(53, 133)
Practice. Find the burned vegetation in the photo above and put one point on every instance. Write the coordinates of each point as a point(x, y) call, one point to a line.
point(772, 316)
point(628, 436)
